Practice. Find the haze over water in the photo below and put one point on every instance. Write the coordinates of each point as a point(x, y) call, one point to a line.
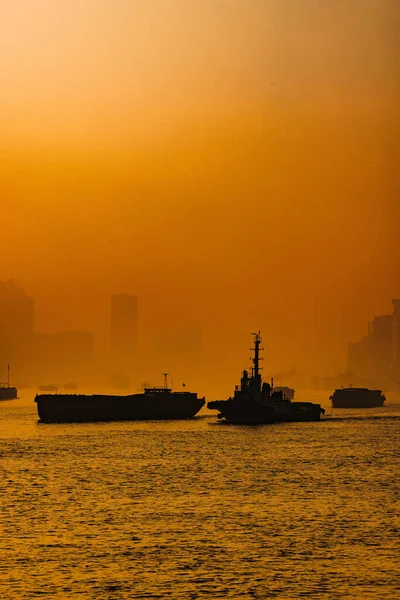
point(195, 509)
point(233, 164)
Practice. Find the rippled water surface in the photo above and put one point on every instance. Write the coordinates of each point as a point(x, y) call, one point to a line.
point(195, 509)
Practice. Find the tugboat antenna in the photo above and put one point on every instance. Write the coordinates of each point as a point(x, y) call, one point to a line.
point(256, 350)
point(166, 380)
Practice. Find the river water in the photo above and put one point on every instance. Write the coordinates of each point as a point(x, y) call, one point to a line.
point(197, 509)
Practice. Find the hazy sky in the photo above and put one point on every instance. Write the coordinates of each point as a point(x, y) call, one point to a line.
point(233, 162)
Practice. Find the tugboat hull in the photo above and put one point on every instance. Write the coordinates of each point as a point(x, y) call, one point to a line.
point(240, 413)
point(69, 408)
point(247, 413)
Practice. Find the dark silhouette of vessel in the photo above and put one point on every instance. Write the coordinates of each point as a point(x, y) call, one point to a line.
point(70, 385)
point(256, 402)
point(154, 404)
point(353, 397)
point(8, 392)
point(288, 391)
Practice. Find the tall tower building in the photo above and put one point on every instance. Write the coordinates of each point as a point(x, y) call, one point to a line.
point(376, 357)
point(124, 332)
point(16, 325)
point(396, 340)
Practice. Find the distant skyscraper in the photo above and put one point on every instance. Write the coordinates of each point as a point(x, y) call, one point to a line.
point(16, 323)
point(375, 358)
point(396, 340)
point(124, 332)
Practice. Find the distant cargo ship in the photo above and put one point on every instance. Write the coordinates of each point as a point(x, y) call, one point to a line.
point(353, 397)
point(7, 392)
point(287, 391)
point(155, 403)
point(256, 402)
point(48, 388)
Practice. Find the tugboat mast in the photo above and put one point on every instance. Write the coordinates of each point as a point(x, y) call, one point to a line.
point(166, 380)
point(256, 359)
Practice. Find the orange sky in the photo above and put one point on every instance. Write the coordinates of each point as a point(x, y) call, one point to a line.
point(234, 163)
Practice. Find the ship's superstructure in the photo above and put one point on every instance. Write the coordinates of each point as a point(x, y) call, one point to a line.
point(258, 402)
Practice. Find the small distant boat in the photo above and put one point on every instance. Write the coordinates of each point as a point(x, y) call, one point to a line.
point(7, 392)
point(70, 385)
point(48, 388)
point(353, 397)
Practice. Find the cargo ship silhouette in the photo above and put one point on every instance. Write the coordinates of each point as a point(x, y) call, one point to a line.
point(353, 397)
point(155, 403)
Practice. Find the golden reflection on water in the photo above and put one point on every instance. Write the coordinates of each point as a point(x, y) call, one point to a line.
point(195, 509)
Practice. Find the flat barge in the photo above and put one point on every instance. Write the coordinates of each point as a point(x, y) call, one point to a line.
point(153, 404)
point(353, 397)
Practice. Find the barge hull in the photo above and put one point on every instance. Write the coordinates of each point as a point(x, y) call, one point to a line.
point(245, 413)
point(69, 408)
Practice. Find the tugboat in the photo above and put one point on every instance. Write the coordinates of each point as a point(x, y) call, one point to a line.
point(159, 403)
point(8, 392)
point(256, 402)
point(352, 397)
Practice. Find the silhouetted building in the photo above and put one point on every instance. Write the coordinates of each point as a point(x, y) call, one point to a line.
point(124, 332)
point(396, 341)
point(375, 358)
point(16, 325)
